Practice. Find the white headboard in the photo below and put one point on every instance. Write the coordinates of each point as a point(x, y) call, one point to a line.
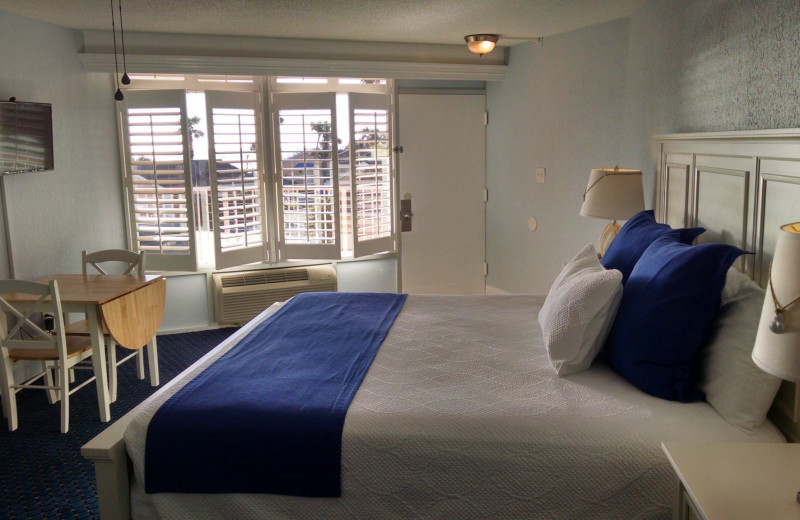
point(741, 187)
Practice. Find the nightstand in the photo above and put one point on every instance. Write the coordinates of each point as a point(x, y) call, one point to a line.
point(733, 481)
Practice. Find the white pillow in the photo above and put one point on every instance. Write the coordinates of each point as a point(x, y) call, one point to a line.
point(738, 390)
point(578, 312)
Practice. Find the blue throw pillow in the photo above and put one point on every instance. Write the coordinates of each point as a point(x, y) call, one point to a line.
point(668, 305)
point(635, 236)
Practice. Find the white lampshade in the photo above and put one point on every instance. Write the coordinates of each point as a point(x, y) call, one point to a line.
point(613, 193)
point(779, 354)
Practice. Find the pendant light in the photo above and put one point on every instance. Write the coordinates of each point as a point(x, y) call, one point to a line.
point(126, 80)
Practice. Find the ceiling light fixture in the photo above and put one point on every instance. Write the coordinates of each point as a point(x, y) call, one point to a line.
point(481, 44)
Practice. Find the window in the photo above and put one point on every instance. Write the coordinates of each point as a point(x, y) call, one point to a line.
point(202, 191)
point(308, 174)
point(371, 176)
point(157, 179)
point(235, 164)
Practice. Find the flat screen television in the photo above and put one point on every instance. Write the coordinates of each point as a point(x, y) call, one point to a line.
point(26, 137)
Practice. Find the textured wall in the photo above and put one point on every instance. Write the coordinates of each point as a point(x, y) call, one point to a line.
point(710, 65)
point(716, 65)
point(54, 215)
point(683, 66)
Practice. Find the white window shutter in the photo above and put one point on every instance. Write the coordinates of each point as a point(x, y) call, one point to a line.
point(158, 179)
point(371, 174)
point(235, 164)
point(304, 126)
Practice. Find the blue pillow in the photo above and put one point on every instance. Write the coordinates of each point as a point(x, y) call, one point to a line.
point(635, 236)
point(668, 305)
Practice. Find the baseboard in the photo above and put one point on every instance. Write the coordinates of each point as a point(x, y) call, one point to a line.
point(490, 289)
point(210, 326)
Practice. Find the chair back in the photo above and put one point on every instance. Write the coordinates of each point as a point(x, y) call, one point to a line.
point(132, 261)
point(38, 297)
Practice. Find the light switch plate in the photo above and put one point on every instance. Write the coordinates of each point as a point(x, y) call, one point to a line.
point(540, 175)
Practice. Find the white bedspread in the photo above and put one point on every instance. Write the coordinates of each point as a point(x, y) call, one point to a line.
point(462, 416)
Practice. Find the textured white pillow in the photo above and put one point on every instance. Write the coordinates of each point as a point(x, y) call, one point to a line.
point(578, 311)
point(738, 390)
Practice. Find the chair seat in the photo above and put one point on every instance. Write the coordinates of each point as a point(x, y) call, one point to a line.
point(57, 353)
point(75, 346)
point(80, 328)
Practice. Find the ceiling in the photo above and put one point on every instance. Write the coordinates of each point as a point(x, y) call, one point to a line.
point(409, 21)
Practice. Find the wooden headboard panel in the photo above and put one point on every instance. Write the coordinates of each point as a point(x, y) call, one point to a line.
point(741, 187)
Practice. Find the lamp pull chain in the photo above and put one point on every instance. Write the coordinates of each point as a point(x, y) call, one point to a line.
point(592, 186)
point(606, 173)
point(777, 325)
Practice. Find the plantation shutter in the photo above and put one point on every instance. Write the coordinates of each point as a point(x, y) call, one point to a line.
point(157, 178)
point(371, 174)
point(235, 164)
point(307, 175)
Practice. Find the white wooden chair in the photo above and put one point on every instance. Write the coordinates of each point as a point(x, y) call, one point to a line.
point(27, 341)
point(126, 262)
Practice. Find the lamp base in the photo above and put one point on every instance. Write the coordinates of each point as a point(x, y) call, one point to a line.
point(607, 236)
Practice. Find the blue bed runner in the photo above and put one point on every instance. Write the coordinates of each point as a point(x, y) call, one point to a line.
point(267, 416)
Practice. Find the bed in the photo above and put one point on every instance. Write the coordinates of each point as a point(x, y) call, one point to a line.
point(461, 414)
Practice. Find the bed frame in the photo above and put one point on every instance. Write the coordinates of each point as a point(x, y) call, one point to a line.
point(107, 450)
point(740, 186)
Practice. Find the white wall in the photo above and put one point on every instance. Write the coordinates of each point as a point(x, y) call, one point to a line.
point(54, 215)
point(188, 306)
point(592, 97)
point(377, 275)
point(560, 109)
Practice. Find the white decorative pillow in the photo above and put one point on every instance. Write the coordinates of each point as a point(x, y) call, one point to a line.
point(578, 312)
point(738, 390)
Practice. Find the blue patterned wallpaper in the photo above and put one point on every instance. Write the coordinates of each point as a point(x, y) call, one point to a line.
point(715, 65)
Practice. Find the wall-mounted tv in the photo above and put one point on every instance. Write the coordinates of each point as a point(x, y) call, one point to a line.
point(26, 137)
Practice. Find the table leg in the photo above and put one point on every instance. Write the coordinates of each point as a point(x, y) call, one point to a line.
point(683, 512)
point(99, 362)
point(152, 361)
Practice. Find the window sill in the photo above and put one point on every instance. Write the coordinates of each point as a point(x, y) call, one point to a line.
point(275, 265)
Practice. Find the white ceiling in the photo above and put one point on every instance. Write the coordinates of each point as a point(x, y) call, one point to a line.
point(412, 21)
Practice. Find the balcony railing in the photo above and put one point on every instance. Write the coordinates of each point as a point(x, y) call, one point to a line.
point(376, 217)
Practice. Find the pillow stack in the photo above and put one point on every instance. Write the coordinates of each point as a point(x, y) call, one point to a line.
point(670, 301)
point(738, 390)
point(655, 328)
point(578, 312)
point(634, 238)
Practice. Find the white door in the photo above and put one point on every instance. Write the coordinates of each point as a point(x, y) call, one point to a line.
point(443, 170)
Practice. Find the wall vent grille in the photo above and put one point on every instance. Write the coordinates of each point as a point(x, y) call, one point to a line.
point(240, 296)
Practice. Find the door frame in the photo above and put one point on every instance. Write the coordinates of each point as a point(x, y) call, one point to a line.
point(398, 166)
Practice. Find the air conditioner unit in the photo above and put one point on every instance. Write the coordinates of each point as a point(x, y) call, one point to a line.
point(240, 296)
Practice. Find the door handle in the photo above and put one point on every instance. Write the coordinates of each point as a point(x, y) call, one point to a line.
point(405, 215)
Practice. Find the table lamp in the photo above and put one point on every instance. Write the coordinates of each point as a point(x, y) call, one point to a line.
point(777, 347)
point(612, 193)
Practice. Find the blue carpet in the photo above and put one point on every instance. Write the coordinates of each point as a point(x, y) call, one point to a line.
point(42, 473)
